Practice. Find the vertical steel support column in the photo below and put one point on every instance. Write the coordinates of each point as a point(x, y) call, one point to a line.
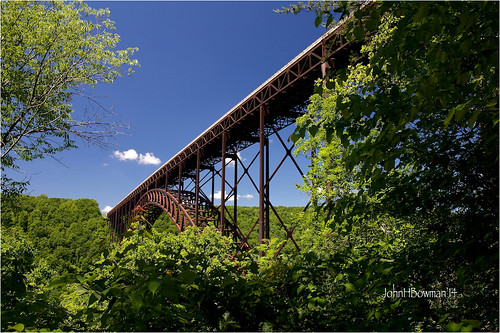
point(121, 220)
point(127, 214)
point(179, 194)
point(179, 184)
point(132, 203)
point(115, 227)
point(223, 185)
point(235, 195)
point(261, 177)
point(197, 188)
point(213, 185)
point(268, 185)
point(166, 181)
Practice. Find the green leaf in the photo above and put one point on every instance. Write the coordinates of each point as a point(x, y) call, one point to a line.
point(449, 117)
point(467, 328)
point(462, 109)
point(153, 286)
point(300, 288)
point(188, 276)
point(389, 164)
point(386, 260)
point(350, 286)
point(453, 327)
point(92, 299)
point(386, 271)
point(359, 33)
point(396, 304)
point(345, 140)
point(423, 10)
point(313, 130)
point(318, 21)
point(443, 318)
point(373, 21)
point(472, 120)
point(329, 20)
point(294, 137)
point(329, 134)
point(17, 327)
point(137, 298)
point(465, 46)
point(492, 102)
point(318, 89)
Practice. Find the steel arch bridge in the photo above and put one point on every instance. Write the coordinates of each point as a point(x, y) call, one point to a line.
point(177, 186)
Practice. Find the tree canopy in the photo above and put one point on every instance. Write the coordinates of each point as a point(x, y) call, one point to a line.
point(409, 130)
point(53, 52)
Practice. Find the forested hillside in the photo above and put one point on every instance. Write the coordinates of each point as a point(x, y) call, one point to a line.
point(52, 240)
point(65, 233)
point(43, 239)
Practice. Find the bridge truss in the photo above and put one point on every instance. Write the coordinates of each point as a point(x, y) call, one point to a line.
point(177, 186)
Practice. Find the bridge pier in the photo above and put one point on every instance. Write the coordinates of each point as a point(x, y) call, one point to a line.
point(197, 188)
point(235, 194)
point(263, 182)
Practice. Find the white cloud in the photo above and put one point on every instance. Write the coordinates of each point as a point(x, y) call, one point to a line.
point(230, 161)
point(149, 158)
point(130, 154)
point(106, 209)
point(217, 195)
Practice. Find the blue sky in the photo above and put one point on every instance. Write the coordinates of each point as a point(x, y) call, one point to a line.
point(198, 59)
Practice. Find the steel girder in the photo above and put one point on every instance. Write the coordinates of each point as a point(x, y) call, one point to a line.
point(270, 108)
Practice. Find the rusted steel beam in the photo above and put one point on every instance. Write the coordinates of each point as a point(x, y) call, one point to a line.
point(261, 176)
point(291, 84)
point(267, 187)
point(223, 185)
point(235, 194)
point(197, 187)
point(286, 92)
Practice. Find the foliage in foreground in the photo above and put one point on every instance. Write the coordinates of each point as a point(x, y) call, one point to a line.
point(194, 281)
point(410, 130)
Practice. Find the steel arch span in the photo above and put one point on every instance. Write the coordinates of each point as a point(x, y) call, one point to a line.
point(184, 209)
point(177, 187)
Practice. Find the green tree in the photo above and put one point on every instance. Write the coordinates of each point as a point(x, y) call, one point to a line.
point(66, 233)
point(155, 281)
point(410, 130)
point(24, 304)
point(51, 51)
